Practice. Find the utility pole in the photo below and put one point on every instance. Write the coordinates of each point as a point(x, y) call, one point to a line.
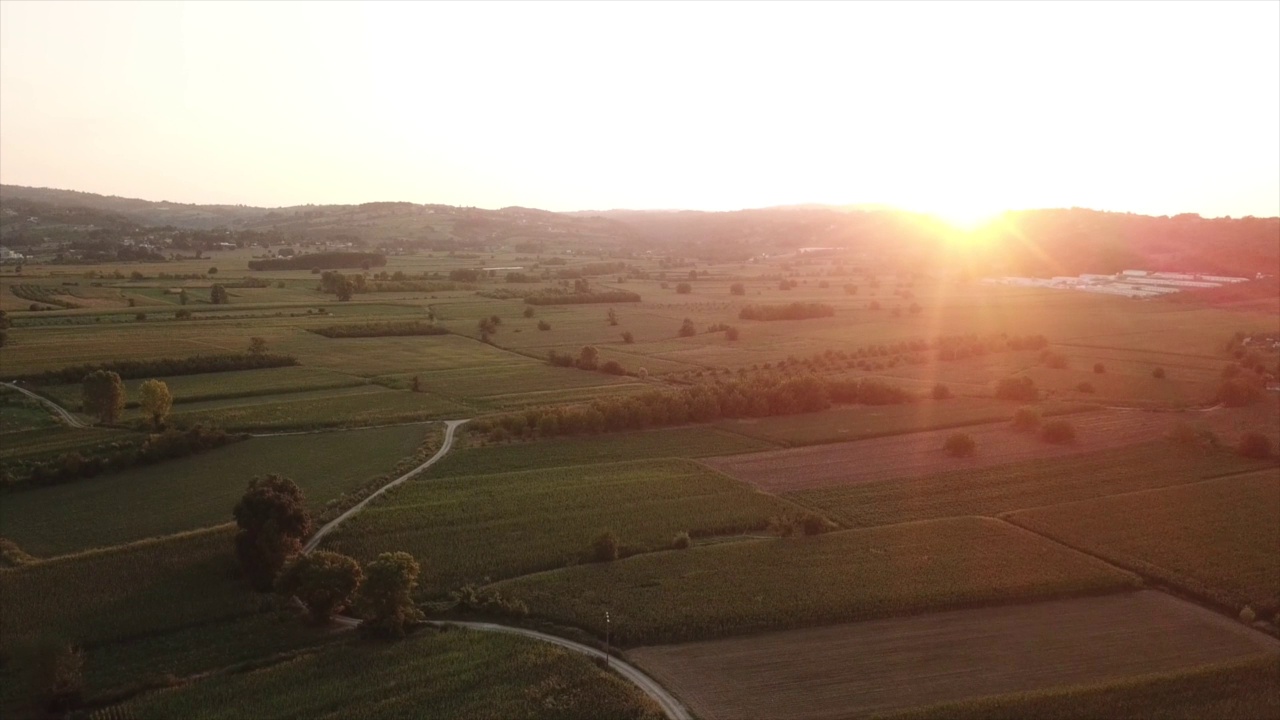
point(606, 638)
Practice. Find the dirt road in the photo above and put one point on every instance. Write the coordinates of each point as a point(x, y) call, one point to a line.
point(55, 408)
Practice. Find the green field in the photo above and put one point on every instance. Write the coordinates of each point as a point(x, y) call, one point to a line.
point(197, 491)
point(21, 414)
point(994, 490)
point(351, 407)
point(124, 592)
point(214, 386)
point(42, 443)
point(486, 527)
point(1216, 539)
point(1246, 690)
point(685, 442)
point(737, 588)
point(453, 674)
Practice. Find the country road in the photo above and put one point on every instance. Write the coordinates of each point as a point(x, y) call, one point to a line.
point(57, 409)
point(671, 707)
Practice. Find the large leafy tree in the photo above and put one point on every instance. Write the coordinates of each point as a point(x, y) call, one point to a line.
point(324, 581)
point(156, 401)
point(273, 520)
point(103, 395)
point(386, 596)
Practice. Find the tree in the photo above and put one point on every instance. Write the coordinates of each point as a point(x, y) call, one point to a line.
point(528, 311)
point(218, 295)
point(386, 596)
point(324, 581)
point(960, 445)
point(544, 325)
point(1158, 373)
point(1026, 419)
point(684, 288)
point(273, 519)
point(415, 384)
point(627, 337)
point(103, 395)
point(344, 290)
point(183, 297)
point(257, 346)
point(731, 333)
point(588, 358)
point(155, 400)
point(687, 328)
point(941, 392)
point(737, 289)
point(612, 317)
point(1099, 369)
point(213, 271)
point(605, 547)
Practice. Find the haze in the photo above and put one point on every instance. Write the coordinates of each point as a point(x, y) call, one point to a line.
point(958, 109)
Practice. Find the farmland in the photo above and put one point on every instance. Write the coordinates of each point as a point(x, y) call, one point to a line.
point(432, 675)
point(1215, 539)
point(488, 527)
point(198, 491)
point(841, 671)
point(843, 576)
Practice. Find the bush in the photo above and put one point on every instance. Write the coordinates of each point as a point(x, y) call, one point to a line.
point(731, 333)
point(605, 547)
point(1058, 432)
point(1017, 388)
point(1239, 391)
point(528, 312)
point(791, 311)
point(1026, 419)
point(941, 392)
point(737, 289)
point(324, 581)
point(403, 328)
point(1158, 373)
point(628, 338)
point(1254, 445)
point(1085, 387)
point(1247, 615)
point(1099, 368)
point(960, 445)
point(683, 288)
point(681, 541)
point(562, 297)
point(386, 596)
point(687, 328)
point(1054, 360)
point(612, 367)
point(544, 325)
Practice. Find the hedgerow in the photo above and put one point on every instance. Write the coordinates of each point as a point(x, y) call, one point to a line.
point(401, 328)
point(161, 367)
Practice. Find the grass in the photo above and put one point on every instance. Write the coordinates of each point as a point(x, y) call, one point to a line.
point(21, 414)
point(197, 491)
point(1248, 689)
point(216, 386)
point(49, 442)
point(451, 674)
point(682, 442)
point(1002, 488)
point(1215, 539)
point(349, 407)
point(124, 592)
point(485, 527)
point(737, 588)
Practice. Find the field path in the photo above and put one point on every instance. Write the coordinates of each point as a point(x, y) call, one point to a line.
point(672, 707)
point(62, 414)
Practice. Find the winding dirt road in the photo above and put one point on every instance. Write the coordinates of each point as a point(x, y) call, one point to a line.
point(54, 407)
point(673, 708)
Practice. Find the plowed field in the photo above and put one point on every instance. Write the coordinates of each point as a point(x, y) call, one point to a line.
point(851, 670)
point(921, 453)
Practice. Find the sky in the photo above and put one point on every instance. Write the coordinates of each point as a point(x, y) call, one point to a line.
point(959, 109)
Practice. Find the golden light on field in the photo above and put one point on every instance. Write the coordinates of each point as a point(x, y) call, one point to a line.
point(961, 110)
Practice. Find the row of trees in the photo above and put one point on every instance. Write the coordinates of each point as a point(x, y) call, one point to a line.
point(400, 328)
point(273, 521)
point(103, 395)
point(760, 396)
point(163, 367)
point(790, 311)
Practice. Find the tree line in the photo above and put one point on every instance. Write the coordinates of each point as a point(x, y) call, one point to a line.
point(402, 328)
point(790, 311)
point(159, 367)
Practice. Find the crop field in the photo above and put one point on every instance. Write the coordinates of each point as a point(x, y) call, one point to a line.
point(21, 414)
point(124, 592)
point(215, 386)
point(683, 442)
point(453, 674)
point(744, 587)
point(921, 453)
point(39, 443)
point(867, 421)
point(486, 527)
point(994, 490)
point(371, 357)
point(515, 376)
point(876, 666)
point(196, 491)
point(362, 405)
point(1216, 539)
point(1240, 689)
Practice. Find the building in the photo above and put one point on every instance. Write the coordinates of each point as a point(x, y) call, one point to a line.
point(7, 255)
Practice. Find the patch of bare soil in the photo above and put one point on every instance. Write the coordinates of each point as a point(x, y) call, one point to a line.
point(851, 670)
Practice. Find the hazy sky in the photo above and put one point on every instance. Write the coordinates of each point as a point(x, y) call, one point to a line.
point(960, 109)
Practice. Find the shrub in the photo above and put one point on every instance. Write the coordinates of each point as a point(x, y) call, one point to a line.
point(1239, 391)
point(324, 581)
point(737, 289)
point(941, 392)
point(687, 328)
point(1099, 368)
point(402, 328)
point(605, 547)
point(1017, 388)
point(1058, 432)
point(1254, 445)
point(528, 312)
point(960, 445)
point(683, 288)
point(1247, 615)
point(1054, 360)
point(681, 541)
point(386, 595)
point(1158, 373)
point(1085, 387)
point(612, 367)
point(544, 325)
point(731, 333)
point(1026, 419)
point(628, 338)
point(140, 317)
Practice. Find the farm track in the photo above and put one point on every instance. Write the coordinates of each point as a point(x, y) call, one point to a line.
point(61, 413)
point(671, 707)
point(839, 671)
point(920, 453)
